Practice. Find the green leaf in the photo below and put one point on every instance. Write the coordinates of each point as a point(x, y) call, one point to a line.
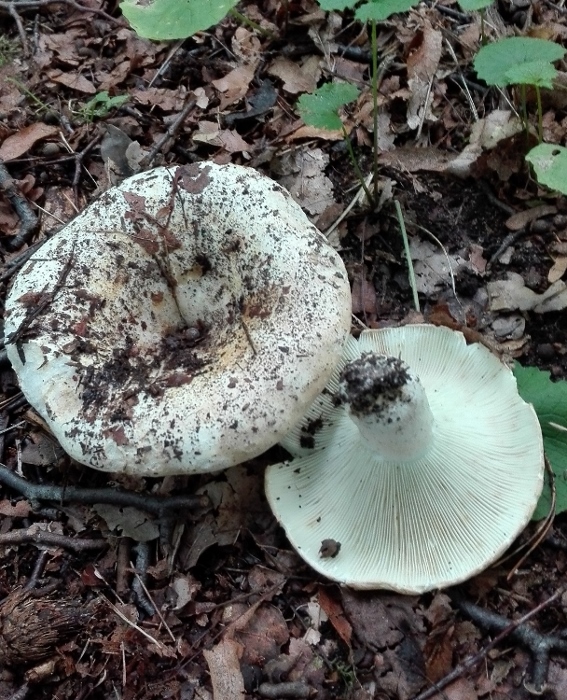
point(473, 5)
point(537, 73)
point(379, 10)
point(174, 19)
point(550, 402)
point(550, 166)
point(319, 109)
point(330, 5)
point(494, 62)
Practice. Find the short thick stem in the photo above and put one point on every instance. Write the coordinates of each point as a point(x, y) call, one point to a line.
point(388, 405)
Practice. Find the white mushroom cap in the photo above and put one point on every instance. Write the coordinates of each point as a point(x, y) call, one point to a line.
point(182, 323)
point(465, 484)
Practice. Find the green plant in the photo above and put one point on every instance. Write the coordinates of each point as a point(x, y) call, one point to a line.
point(39, 107)
point(8, 50)
point(177, 19)
point(520, 61)
point(550, 165)
point(335, 96)
point(549, 400)
point(477, 6)
point(100, 105)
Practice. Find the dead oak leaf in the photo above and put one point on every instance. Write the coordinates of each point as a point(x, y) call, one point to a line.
point(21, 142)
point(422, 65)
point(297, 78)
point(227, 139)
point(224, 667)
point(166, 100)
point(74, 81)
point(234, 85)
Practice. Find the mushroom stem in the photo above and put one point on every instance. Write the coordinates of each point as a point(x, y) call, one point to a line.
point(388, 404)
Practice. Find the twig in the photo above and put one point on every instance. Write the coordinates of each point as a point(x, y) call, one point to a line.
point(46, 299)
point(142, 551)
point(21, 31)
point(36, 536)
point(154, 606)
point(289, 689)
point(540, 645)
point(143, 632)
point(510, 239)
point(29, 220)
point(36, 4)
point(147, 160)
point(38, 569)
point(156, 505)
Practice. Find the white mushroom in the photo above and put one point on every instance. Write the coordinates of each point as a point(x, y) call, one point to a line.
point(182, 323)
point(416, 467)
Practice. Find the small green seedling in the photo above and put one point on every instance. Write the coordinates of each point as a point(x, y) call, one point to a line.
point(549, 400)
point(371, 11)
point(477, 6)
point(8, 50)
point(100, 105)
point(550, 166)
point(520, 61)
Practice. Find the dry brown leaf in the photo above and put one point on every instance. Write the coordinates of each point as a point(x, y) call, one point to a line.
point(461, 689)
point(557, 270)
point(511, 294)
point(297, 78)
point(262, 635)
point(422, 65)
point(224, 666)
point(312, 132)
point(74, 81)
point(523, 218)
point(363, 295)
point(246, 45)
point(334, 611)
point(234, 85)
point(18, 144)
point(20, 509)
point(166, 100)
point(228, 139)
point(306, 180)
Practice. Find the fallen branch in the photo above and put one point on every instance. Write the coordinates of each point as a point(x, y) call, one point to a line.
point(156, 505)
point(540, 645)
point(35, 535)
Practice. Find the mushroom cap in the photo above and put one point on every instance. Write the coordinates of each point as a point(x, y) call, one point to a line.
point(417, 525)
point(182, 323)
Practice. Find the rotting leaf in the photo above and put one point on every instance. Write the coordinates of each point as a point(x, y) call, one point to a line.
point(130, 521)
point(224, 666)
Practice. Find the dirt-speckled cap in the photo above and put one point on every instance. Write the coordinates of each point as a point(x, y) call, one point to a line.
point(459, 492)
point(182, 323)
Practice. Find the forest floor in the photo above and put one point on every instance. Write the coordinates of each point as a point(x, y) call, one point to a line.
point(219, 601)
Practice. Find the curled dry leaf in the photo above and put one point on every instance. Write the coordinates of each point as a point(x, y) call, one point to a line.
point(21, 142)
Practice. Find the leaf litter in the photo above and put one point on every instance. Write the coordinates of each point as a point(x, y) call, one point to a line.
point(234, 610)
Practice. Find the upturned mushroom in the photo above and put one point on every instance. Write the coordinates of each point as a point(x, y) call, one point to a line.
point(182, 323)
point(415, 468)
